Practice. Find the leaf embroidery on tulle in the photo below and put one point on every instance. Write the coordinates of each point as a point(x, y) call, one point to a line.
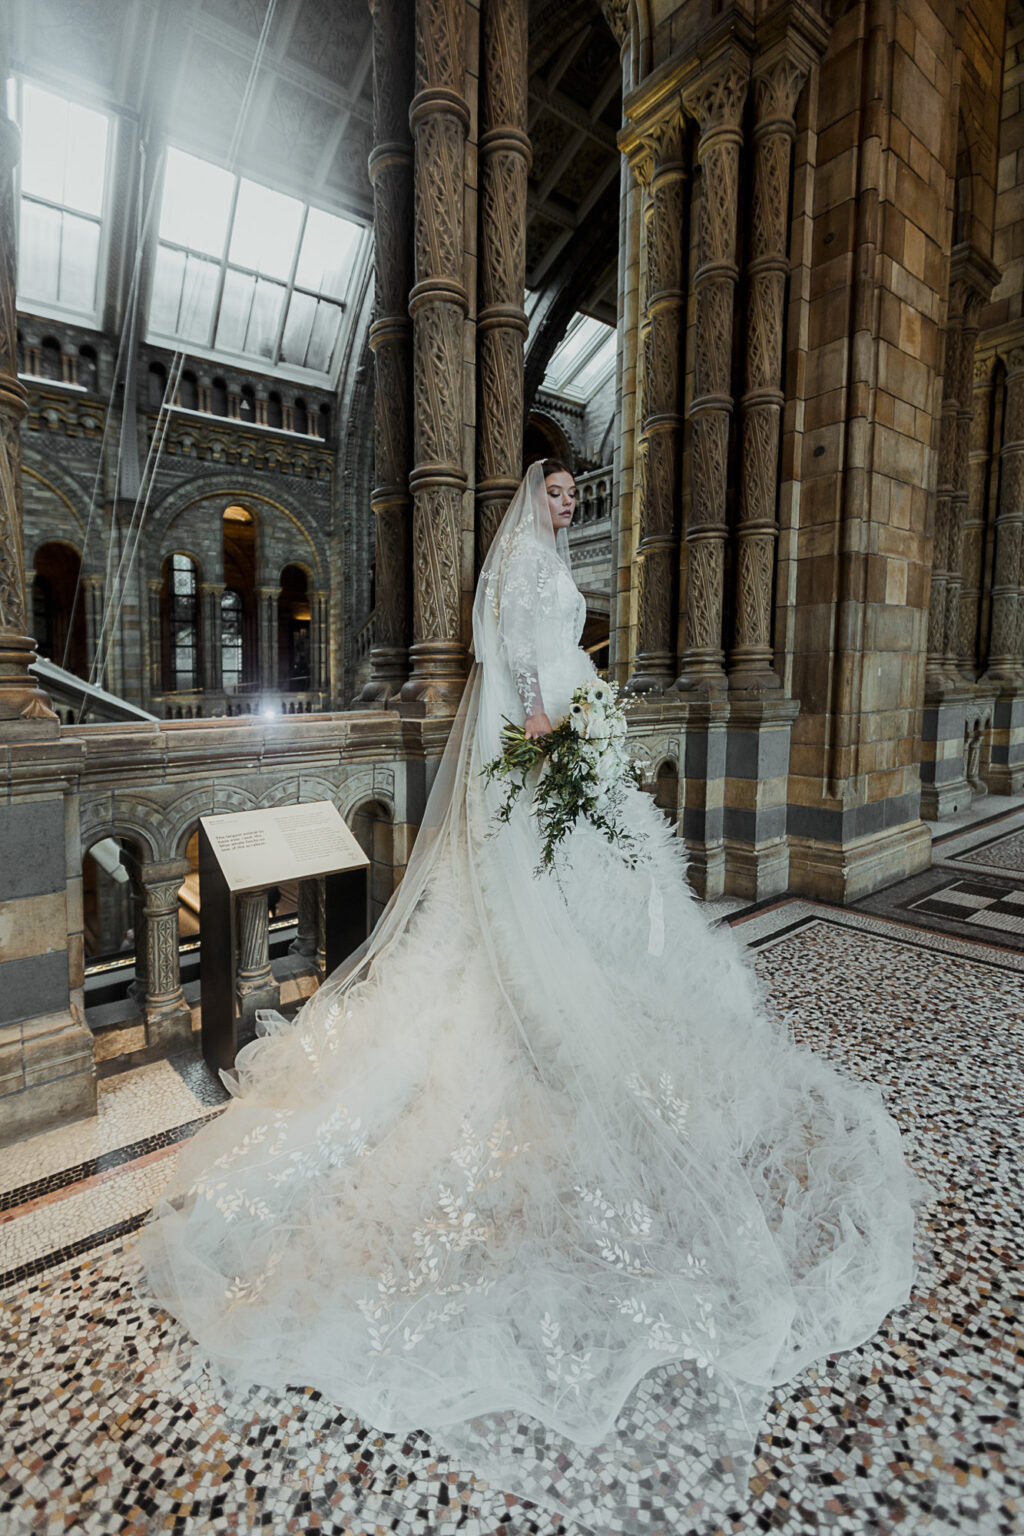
point(665, 1101)
point(564, 1369)
point(457, 1229)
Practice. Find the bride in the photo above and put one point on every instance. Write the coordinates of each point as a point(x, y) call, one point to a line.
point(536, 1171)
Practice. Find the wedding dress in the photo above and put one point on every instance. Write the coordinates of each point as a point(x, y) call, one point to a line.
point(536, 1171)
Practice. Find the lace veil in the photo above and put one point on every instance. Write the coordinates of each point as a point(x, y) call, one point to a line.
point(507, 637)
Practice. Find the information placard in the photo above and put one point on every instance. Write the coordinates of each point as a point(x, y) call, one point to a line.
point(282, 842)
point(251, 851)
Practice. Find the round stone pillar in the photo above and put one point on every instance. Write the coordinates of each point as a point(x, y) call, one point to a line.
point(716, 101)
point(438, 304)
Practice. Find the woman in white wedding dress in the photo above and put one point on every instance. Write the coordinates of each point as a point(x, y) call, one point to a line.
point(536, 1171)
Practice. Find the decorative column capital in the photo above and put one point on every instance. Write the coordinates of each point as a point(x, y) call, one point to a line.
point(778, 81)
point(616, 14)
point(717, 96)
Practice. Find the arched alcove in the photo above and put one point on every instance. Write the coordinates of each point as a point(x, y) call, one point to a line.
point(293, 620)
point(107, 912)
point(666, 789)
point(58, 616)
point(238, 532)
point(543, 438)
point(374, 832)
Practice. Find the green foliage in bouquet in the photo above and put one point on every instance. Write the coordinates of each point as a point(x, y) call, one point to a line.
point(578, 774)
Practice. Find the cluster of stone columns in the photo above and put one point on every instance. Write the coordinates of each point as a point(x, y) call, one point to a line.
point(449, 326)
point(721, 641)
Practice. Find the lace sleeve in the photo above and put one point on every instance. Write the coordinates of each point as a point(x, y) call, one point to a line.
point(522, 602)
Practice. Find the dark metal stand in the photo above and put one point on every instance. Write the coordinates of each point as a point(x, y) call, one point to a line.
point(345, 920)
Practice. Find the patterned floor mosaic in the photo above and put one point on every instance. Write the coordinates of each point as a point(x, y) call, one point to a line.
point(110, 1425)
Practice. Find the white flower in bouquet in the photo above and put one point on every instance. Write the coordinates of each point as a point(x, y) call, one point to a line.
point(581, 770)
point(608, 765)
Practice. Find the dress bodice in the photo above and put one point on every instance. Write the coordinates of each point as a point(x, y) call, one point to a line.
point(541, 617)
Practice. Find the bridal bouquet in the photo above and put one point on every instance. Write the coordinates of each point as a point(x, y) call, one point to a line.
point(584, 766)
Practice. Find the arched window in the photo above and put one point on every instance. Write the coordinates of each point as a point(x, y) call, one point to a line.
point(275, 415)
point(247, 403)
point(324, 422)
point(107, 915)
point(51, 364)
point(157, 385)
point(299, 416)
point(239, 545)
point(219, 398)
point(666, 790)
point(231, 617)
point(54, 607)
point(188, 392)
point(374, 832)
point(181, 627)
point(294, 617)
point(87, 375)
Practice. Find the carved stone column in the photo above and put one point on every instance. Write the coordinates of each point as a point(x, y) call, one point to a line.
point(210, 599)
point(391, 174)
point(319, 641)
point(321, 928)
point(972, 282)
point(438, 303)
point(974, 521)
point(501, 321)
point(935, 678)
point(255, 986)
point(268, 597)
point(777, 84)
point(716, 101)
point(24, 707)
point(91, 597)
point(661, 165)
point(1005, 647)
point(305, 940)
point(166, 1013)
point(156, 667)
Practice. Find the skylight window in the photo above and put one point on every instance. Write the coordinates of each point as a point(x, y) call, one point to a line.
point(248, 272)
point(583, 361)
point(63, 177)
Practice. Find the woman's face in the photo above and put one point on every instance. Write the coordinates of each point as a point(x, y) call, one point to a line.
point(561, 489)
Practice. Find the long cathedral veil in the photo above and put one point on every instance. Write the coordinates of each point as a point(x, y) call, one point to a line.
point(488, 699)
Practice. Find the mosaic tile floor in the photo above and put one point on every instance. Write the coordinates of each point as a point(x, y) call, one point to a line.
point(111, 1425)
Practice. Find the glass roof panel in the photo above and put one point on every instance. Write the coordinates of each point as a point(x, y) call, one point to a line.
point(265, 230)
point(583, 361)
point(196, 203)
point(64, 150)
point(328, 248)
